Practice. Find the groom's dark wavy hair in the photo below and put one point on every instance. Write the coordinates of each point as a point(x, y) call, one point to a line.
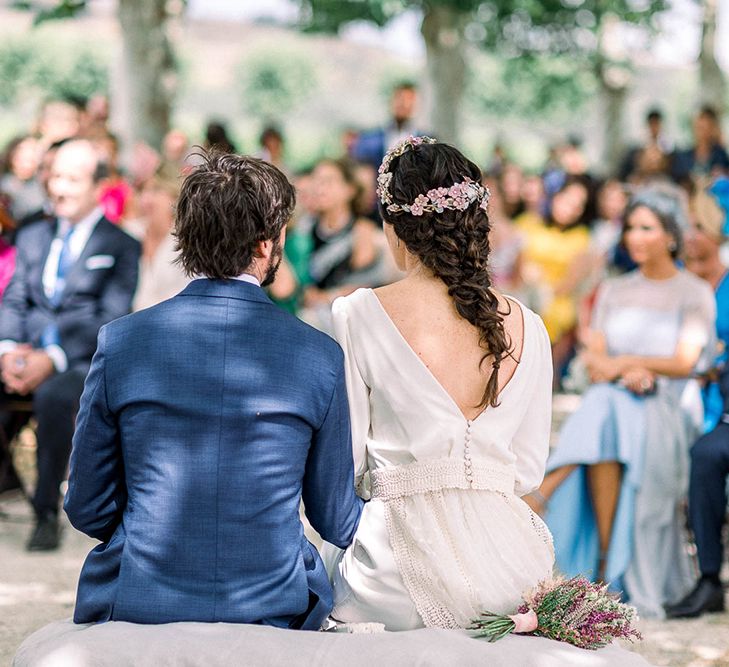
point(453, 244)
point(227, 205)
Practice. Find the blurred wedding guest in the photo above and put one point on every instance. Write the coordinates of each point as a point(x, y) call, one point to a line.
point(348, 140)
point(533, 198)
point(507, 243)
point(345, 247)
point(708, 231)
point(272, 147)
point(707, 157)
point(59, 119)
point(71, 277)
point(497, 161)
point(511, 184)
point(619, 473)
point(710, 454)
point(7, 256)
point(145, 162)
point(160, 276)
point(609, 254)
point(373, 144)
point(654, 139)
point(175, 151)
point(556, 261)
point(45, 210)
point(216, 134)
point(116, 193)
point(96, 117)
point(19, 181)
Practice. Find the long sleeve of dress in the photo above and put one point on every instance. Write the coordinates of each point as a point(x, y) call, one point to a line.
point(358, 392)
point(530, 443)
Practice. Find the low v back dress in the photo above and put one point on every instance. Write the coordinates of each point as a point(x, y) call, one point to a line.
point(445, 534)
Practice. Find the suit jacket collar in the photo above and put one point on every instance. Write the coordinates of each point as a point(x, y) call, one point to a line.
point(232, 289)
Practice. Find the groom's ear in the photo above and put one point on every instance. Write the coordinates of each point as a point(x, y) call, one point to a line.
point(263, 249)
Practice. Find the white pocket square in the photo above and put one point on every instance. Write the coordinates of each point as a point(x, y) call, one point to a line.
point(100, 262)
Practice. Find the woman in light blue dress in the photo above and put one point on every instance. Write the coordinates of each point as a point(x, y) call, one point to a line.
point(619, 472)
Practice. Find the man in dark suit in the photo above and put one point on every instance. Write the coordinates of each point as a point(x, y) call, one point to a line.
point(204, 421)
point(72, 275)
point(707, 514)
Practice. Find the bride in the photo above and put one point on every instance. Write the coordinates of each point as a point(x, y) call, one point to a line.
point(449, 386)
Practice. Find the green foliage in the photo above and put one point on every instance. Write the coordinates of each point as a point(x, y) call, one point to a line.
point(275, 80)
point(35, 65)
point(64, 9)
point(528, 87)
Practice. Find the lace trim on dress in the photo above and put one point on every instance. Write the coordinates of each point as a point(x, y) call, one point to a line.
point(393, 485)
point(438, 474)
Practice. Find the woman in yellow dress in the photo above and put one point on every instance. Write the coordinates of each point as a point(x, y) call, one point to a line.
point(556, 259)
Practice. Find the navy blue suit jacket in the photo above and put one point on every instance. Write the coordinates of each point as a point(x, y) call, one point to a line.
point(203, 422)
point(99, 288)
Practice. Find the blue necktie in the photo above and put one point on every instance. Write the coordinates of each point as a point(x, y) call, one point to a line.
point(65, 262)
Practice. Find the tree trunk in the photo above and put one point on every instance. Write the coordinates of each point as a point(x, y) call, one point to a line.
point(442, 30)
point(712, 83)
point(612, 100)
point(148, 67)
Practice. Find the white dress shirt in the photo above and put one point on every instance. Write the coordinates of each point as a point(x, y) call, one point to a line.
point(81, 233)
point(248, 278)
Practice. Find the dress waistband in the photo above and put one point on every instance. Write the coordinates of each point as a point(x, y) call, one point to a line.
point(438, 474)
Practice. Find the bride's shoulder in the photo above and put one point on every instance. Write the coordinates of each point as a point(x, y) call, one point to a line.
point(346, 307)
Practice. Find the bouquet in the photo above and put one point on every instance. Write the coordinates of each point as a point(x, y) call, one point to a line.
point(575, 611)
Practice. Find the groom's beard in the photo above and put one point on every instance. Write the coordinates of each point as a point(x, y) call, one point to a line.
point(273, 263)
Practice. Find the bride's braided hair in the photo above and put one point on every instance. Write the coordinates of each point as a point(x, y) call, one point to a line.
point(453, 244)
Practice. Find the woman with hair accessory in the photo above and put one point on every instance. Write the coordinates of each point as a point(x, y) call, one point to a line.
point(620, 469)
point(708, 231)
point(449, 386)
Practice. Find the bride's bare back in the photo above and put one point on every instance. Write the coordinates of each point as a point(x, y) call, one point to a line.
point(448, 345)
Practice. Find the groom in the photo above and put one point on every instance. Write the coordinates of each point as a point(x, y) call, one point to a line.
point(204, 421)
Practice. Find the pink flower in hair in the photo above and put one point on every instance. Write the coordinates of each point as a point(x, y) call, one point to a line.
point(416, 208)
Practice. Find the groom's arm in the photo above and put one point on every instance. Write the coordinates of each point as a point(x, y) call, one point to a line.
point(331, 505)
point(96, 494)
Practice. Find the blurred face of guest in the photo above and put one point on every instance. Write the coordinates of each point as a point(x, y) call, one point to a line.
point(404, 104)
point(46, 164)
point(701, 250)
point(74, 193)
point(655, 125)
point(645, 238)
point(705, 130)
point(568, 205)
point(25, 160)
point(331, 190)
point(59, 120)
point(174, 146)
point(98, 109)
point(511, 183)
point(366, 176)
point(107, 150)
point(532, 192)
point(156, 204)
point(305, 193)
point(612, 201)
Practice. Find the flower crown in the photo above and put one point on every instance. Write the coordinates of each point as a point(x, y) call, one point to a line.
point(458, 196)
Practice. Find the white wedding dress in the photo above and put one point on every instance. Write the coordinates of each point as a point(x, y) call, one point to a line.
point(445, 534)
